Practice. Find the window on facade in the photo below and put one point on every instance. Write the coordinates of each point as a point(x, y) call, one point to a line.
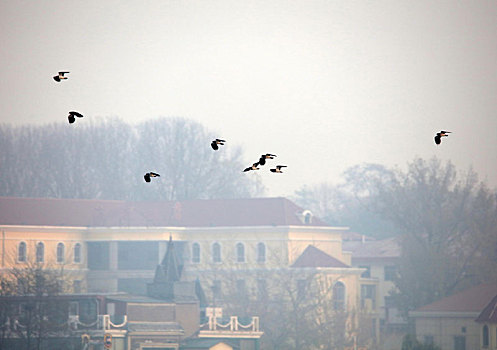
point(21, 252)
point(40, 252)
point(339, 296)
point(60, 253)
point(367, 273)
point(77, 253)
point(216, 252)
point(73, 308)
point(88, 311)
point(240, 253)
point(485, 340)
point(428, 340)
point(390, 273)
point(241, 288)
point(76, 286)
point(216, 289)
point(195, 253)
point(460, 342)
point(261, 289)
point(368, 297)
point(98, 256)
point(261, 252)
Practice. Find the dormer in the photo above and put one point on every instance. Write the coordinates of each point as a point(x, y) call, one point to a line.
point(305, 217)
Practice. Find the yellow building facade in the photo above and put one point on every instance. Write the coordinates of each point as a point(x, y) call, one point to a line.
point(229, 245)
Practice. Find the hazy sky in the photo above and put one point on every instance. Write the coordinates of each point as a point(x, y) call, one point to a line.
point(323, 84)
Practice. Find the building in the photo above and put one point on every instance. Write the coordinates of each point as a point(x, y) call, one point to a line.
point(450, 321)
point(234, 247)
point(487, 321)
point(109, 246)
point(167, 318)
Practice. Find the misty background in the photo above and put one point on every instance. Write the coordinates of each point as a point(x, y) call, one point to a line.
point(323, 85)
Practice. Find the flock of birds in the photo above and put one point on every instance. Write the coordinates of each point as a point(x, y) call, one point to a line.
point(214, 144)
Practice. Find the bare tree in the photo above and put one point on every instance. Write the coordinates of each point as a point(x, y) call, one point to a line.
point(339, 205)
point(295, 306)
point(446, 223)
point(29, 310)
point(180, 151)
point(107, 159)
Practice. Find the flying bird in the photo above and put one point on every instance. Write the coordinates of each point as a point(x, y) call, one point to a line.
point(60, 76)
point(438, 138)
point(278, 169)
point(216, 142)
point(253, 167)
point(263, 158)
point(72, 116)
point(149, 175)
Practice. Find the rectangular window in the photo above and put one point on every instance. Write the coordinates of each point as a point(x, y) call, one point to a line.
point(76, 286)
point(241, 288)
point(390, 273)
point(261, 289)
point(98, 255)
point(216, 289)
point(460, 342)
point(368, 296)
point(73, 308)
point(137, 255)
point(367, 273)
point(428, 340)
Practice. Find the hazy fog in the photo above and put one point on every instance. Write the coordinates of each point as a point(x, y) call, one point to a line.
point(322, 84)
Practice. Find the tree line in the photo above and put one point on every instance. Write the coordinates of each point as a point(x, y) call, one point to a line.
point(107, 159)
point(445, 222)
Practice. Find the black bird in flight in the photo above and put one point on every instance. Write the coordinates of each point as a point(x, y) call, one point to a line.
point(263, 158)
point(253, 167)
point(149, 175)
point(438, 138)
point(278, 169)
point(72, 115)
point(60, 77)
point(216, 142)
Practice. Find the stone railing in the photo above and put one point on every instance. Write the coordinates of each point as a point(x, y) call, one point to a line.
point(233, 325)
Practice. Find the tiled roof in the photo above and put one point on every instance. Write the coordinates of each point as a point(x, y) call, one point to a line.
point(470, 300)
point(489, 313)
point(386, 248)
point(314, 257)
point(189, 213)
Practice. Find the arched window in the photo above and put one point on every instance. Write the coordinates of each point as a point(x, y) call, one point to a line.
point(485, 339)
point(40, 252)
point(195, 253)
point(339, 296)
point(21, 252)
point(216, 252)
point(261, 252)
point(61, 253)
point(77, 253)
point(240, 252)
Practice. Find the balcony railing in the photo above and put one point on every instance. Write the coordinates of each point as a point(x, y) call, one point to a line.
point(233, 325)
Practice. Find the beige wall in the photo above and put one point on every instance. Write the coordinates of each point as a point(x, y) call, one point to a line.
point(444, 329)
point(492, 336)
